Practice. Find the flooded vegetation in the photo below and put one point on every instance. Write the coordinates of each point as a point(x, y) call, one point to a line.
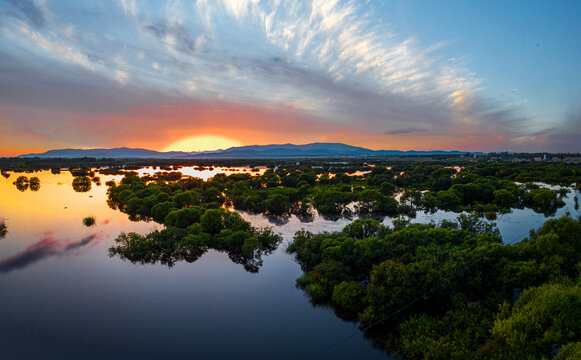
point(445, 282)
point(89, 221)
point(392, 251)
point(3, 229)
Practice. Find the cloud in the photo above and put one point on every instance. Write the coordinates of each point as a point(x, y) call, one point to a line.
point(44, 248)
point(56, 48)
point(335, 63)
point(29, 11)
point(129, 7)
point(564, 138)
point(78, 244)
point(545, 131)
point(404, 131)
point(174, 35)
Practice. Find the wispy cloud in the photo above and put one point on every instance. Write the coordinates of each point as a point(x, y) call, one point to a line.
point(404, 131)
point(330, 60)
point(29, 10)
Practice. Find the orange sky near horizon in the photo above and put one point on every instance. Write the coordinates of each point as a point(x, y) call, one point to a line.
point(157, 127)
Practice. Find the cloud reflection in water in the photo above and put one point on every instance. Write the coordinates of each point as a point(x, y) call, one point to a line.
point(46, 247)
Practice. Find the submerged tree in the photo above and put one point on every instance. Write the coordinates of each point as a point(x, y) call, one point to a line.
point(216, 229)
point(89, 221)
point(3, 230)
point(34, 183)
point(82, 184)
point(21, 183)
point(451, 291)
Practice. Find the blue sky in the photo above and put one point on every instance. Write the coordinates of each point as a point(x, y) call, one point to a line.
point(486, 76)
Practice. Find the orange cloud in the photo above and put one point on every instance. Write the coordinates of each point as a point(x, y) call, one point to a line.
point(157, 126)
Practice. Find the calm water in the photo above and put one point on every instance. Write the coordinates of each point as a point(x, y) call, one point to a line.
point(63, 297)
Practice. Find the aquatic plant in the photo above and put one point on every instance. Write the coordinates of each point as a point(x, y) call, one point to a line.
point(21, 183)
point(82, 184)
point(34, 183)
point(89, 221)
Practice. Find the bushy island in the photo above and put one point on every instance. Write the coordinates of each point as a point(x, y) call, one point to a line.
point(89, 221)
point(452, 291)
point(23, 183)
point(191, 226)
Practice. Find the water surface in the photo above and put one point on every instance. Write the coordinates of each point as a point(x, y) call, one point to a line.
point(63, 297)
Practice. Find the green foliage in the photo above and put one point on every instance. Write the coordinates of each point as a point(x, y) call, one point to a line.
point(321, 281)
point(168, 246)
point(21, 183)
point(543, 316)
point(82, 184)
point(332, 202)
point(183, 218)
point(186, 198)
point(442, 286)
point(161, 210)
point(363, 228)
point(367, 271)
point(194, 218)
point(490, 215)
point(543, 200)
point(34, 183)
point(459, 334)
point(277, 204)
point(348, 297)
point(570, 351)
point(299, 189)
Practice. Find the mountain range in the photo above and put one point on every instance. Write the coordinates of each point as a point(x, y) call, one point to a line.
point(246, 152)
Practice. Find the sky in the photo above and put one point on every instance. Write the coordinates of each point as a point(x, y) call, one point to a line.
point(195, 75)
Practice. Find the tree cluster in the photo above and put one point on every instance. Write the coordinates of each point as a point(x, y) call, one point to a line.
point(452, 291)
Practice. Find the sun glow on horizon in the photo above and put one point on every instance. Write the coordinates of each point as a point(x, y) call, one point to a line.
point(202, 143)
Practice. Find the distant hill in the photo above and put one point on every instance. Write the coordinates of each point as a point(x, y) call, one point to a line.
point(117, 153)
point(247, 152)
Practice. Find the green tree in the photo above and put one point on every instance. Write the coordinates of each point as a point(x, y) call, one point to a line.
point(543, 316)
point(277, 204)
point(82, 184)
point(161, 210)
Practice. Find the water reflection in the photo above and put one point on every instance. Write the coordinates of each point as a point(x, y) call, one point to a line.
point(227, 311)
point(173, 245)
point(45, 247)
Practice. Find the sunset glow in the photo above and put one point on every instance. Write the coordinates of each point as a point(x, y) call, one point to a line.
point(202, 143)
point(397, 75)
